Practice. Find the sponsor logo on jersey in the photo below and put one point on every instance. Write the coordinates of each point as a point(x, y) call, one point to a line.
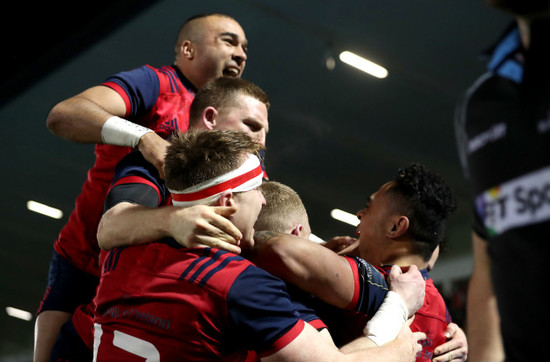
point(167, 127)
point(519, 202)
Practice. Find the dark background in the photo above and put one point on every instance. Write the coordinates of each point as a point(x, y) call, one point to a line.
point(336, 135)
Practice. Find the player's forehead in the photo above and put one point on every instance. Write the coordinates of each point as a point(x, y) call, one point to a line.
point(378, 200)
point(246, 107)
point(223, 25)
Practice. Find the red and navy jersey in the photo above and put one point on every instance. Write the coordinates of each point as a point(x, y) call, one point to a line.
point(432, 319)
point(157, 98)
point(137, 181)
point(371, 288)
point(347, 324)
point(190, 304)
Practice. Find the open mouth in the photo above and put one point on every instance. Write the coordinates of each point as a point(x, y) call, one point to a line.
point(231, 72)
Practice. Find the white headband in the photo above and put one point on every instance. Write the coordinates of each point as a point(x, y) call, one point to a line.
point(245, 178)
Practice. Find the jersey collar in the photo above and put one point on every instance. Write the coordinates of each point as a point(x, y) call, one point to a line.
point(186, 83)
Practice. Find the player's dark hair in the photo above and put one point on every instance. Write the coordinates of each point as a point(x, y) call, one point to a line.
point(187, 30)
point(428, 202)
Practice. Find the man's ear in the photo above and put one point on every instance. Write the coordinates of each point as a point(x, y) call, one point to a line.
point(296, 230)
point(187, 49)
point(208, 117)
point(399, 227)
point(226, 199)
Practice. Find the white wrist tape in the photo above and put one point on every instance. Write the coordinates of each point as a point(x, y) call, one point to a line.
point(386, 323)
point(120, 132)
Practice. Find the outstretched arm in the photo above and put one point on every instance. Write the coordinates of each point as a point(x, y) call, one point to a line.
point(322, 272)
point(131, 224)
point(311, 346)
point(304, 264)
point(136, 214)
point(405, 345)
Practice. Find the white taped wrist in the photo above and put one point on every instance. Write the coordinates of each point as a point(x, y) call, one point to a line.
point(120, 132)
point(386, 323)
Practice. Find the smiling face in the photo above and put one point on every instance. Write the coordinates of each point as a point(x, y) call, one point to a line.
point(216, 48)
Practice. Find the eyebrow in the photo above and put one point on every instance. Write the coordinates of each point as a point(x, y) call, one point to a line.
point(235, 37)
point(258, 122)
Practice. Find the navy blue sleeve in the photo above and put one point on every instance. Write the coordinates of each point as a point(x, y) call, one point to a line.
point(136, 181)
point(303, 301)
point(372, 287)
point(260, 309)
point(142, 88)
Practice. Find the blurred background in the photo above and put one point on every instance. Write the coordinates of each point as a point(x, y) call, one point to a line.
point(336, 133)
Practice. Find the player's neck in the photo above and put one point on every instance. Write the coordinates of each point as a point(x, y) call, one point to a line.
point(402, 255)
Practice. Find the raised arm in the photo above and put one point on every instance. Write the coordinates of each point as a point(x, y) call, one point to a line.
point(82, 119)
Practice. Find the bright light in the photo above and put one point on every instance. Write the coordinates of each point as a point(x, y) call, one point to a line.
point(344, 216)
point(44, 209)
point(18, 313)
point(315, 238)
point(363, 64)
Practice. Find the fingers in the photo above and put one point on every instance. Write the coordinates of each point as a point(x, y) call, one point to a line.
point(205, 241)
point(350, 248)
point(225, 229)
point(418, 337)
point(395, 271)
point(200, 226)
point(451, 330)
point(456, 349)
point(455, 355)
point(224, 211)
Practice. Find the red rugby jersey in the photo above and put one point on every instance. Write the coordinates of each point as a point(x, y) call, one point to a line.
point(157, 98)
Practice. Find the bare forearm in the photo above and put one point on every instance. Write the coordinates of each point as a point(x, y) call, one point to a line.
point(272, 251)
point(485, 342)
point(399, 350)
point(358, 344)
point(303, 263)
point(130, 224)
point(80, 118)
point(483, 323)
